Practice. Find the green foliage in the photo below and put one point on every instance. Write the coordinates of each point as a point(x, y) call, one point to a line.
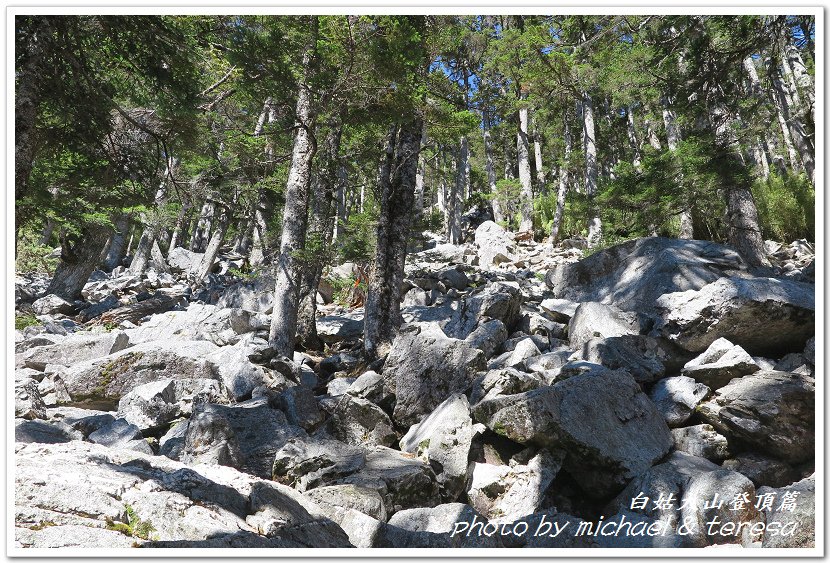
point(786, 207)
point(508, 197)
point(31, 256)
point(359, 236)
point(22, 321)
point(135, 527)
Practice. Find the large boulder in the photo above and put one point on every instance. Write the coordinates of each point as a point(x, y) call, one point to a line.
point(720, 363)
point(632, 275)
point(76, 348)
point(184, 260)
point(113, 376)
point(499, 300)
point(792, 514)
point(27, 400)
point(434, 527)
point(770, 410)
point(360, 422)
point(644, 357)
point(494, 245)
point(443, 440)
point(157, 403)
point(424, 367)
point(701, 440)
point(768, 317)
point(255, 295)
point(53, 305)
point(609, 428)
point(71, 494)
point(308, 463)
point(337, 328)
point(677, 397)
point(596, 320)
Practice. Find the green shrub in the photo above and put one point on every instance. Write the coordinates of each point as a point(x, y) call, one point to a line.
point(33, 257)
point(786, 207)
point(22, 321)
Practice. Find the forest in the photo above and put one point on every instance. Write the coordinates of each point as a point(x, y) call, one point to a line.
point(371, 227)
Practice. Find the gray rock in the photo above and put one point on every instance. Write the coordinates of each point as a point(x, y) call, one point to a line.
point(222, 327)
point(501, 382)
point(763, 471)
point(499, 300)
point(454, 278)
point(523, 351)
point(596, 320)
point(810, 350)
point(634, 274)
point(27, 400)
point(494, 245)
point(488, 337)
point(39, 431)
point(677, 397)
point(774, 411)
point(369, 385)
point(121, 434)
point(433, 527)
point(443, 440)
point(548, 362)
point(157, 403)
point(402, 481)
point(183, 260)
point(338, 328)
point(702, 441)
point(300, 407)
point(701, 507)
point(339, 385)
point(349, 497)
point(308, 463)
point(113, 376)
point(75, 348)
point(560, 310)
point(415, 297)
point(238, 375)
point(510, 492)
point(765, 316)
point(424, 367)
point(53, 305)
point(609, 428)
point(210, 439)
point(797, 527)
point(72, 536)
point(360, 423)
point(721, 362)
point(644, 357)
point(85, 421)
point(251, 295)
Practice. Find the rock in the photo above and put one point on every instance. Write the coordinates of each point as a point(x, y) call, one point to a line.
point(54, 432)
point(736, 507)
point(255, 295)
point(499, 300)
point(488, 337)
point(677, 397)
point(765, 316)
point(360, 423)
point(810, 350)
point(53, 390)
point(721, 362)
point(306, 464)
point(300, 407)
point(27, 400)
point(370, 386)
point(644, 357)
point(339, 385)
point(62, 487)
point(634, 274)
point(424, 367)
point(702, 441)
point(595, 320)
point(494, 245)
point(799, 523)
point(210, 439)
point(402, 481)
point(222, 327)
point(512, 492)
point(560, 310)
point(433, 527)
point(550, 362)
point(113, 376)
point(84, 421)
point(507, 381)
point(415, 297)
point(157, 403)
point(774, 411)
point(72, 536)
point(443, 440)
point(337, 328)
point(53, 305)
point(454, 278)
point(121, 434)
point(350, 497)
point(762, 470)
point(76, 348)
point(183, 260)
point(237, 374)
point(524, 350)
point(609, 428)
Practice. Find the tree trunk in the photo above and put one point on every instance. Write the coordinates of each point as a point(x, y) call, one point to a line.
point(537, 158)
point(295, 214)
point(419, 178)
point(46, 234)
point(523, 158)
point(632, 139)
point(564, 177)
point(799, 136)
point(594, 221)
point(201, 233)
point(673, 139)
point(320, 228)
point(142, 251)
point(382, 312)
point(490, 166)
point(341, 200)
point(651, 135)
point(179, 230)
point(79, 258)
point(118, 246)
point(212, 249)
point(457, 193)
point(744, 231)
point(802, 80)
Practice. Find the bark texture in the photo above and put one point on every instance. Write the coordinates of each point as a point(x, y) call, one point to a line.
point(79, 258)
